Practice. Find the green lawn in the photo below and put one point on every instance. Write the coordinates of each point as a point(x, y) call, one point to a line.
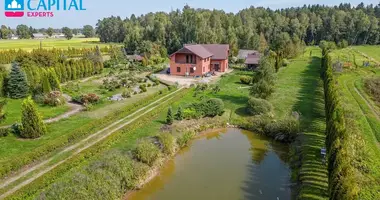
point(13, 146)
point(51, 43)
point(13, 111)
point(299, 88)
point(371, 51)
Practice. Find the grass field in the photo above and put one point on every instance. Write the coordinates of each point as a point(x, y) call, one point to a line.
point(51, 43)
point(299, 88)
point(13, 111)
point(363, 110)
point(13, 146)
point(371, 51)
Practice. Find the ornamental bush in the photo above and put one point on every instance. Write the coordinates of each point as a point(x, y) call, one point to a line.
point(259, 106)
point(168, 143)
point(246, 80)
point(32, 124)
point(54, 98)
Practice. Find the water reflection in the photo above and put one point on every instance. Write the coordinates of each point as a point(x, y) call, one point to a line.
point(228, 164)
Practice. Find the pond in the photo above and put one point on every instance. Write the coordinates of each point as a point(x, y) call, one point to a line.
point(226, 164)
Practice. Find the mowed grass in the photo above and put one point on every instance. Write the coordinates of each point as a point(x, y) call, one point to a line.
point(51, 43)
point(300, 88)
point(12, 145)
point(371, 51)
point(13, 111)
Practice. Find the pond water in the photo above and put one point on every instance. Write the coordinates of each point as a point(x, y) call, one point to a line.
point(228, 164)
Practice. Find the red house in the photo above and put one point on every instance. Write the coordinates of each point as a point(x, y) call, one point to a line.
point(199, 59)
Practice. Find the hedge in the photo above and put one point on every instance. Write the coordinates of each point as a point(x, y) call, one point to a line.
point(29, 191)
point(338, 142)
point(12, 164)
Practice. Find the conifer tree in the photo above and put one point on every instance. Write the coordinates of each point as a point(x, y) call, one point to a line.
point(17, 84)
point(32, 124)
point(46, 87)
point(179, 114)
point(54, 81)
point(169, 117)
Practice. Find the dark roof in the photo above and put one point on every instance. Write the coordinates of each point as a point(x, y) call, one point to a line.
point(253, 59)
point(219, 51)
point(196, 49)
point(243, 53)
point(215, 51)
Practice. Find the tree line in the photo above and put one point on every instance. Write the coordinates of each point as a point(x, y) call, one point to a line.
point(25, 32)
point(250, 28)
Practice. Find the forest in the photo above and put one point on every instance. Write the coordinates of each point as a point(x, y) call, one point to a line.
point(251, 28)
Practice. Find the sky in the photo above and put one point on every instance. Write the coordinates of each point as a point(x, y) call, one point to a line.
point(98, 9)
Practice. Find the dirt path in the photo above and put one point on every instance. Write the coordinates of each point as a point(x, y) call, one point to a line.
point(74, 109)
point(87, 143)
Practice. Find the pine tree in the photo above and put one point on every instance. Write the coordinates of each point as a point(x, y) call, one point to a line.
point(32, 124)
point(169, 117)
point(17, 84)
point(179, 114)
point(54, 81)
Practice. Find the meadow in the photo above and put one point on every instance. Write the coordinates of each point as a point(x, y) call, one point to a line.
point(62, 43)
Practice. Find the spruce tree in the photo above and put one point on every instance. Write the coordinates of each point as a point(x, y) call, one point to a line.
point(32, 124)
point(169, 117)
point(179, 114)
point(17, 84)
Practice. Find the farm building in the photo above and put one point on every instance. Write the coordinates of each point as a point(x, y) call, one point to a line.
point(39, 36)
point(251, 58)
point(199, 59)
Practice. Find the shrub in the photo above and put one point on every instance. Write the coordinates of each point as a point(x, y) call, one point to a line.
point(191, 113)
point(87, 99)
point(149, 85)
point(372, 86)
point(211, 107)
point(184, 139)
point(285, 62)
point(4, 132)
point(179, 114)
point(126, 94)
point(285, 130)
point(147, 152)
point(135, 92)
point(32, 124)
point(258, 106)
point(16, 129)
point(54, 98)
point(168, 143)
point(202, 87)
point(169, 116)
point(143, 88)
point(246, 80)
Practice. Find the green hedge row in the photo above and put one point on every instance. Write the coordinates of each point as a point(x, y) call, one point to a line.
point(338, 142)
point(9, 165)
point(8, 56)
point(30, 191)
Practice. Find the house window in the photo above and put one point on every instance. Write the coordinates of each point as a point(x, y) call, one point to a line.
point(178, 69)
point(187, 58)
point(204, 68)
point(191, 70)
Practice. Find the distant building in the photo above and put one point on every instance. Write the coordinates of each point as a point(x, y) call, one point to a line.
point(58, 35)
point(251, 57)
point(39, 36)
point(14, 37)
